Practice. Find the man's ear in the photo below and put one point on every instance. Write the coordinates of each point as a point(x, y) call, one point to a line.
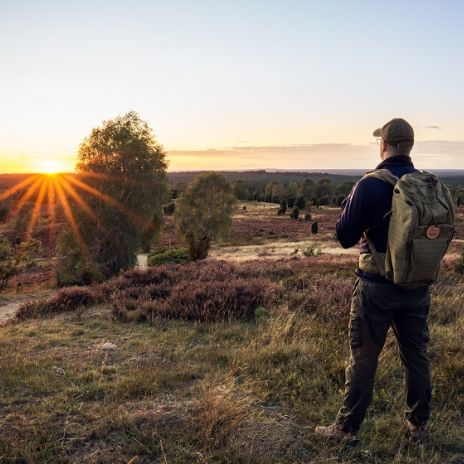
point(382, 148)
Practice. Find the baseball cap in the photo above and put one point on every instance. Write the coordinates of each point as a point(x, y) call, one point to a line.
point(396, 132)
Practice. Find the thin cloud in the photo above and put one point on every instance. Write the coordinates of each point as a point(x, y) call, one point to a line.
point(426, 154)
point(433, 127)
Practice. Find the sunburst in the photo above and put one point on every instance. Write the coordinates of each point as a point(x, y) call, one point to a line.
point(50, 189)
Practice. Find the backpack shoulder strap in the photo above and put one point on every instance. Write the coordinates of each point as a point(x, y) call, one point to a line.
point(386, 176)
point(382, 174)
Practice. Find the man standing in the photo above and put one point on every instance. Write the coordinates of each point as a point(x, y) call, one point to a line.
point(377, 303)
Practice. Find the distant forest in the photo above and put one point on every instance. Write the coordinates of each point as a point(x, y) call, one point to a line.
point(321, 188)
point(293, 187)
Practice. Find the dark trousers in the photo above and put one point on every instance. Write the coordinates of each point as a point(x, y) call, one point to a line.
point(374, 308)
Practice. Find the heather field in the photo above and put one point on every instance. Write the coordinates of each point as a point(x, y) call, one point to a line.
point(231, 360)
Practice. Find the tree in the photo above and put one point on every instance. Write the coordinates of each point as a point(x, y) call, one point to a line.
point(279, 192)
point(123, 161)
point(323, 188)
point(300, 202)
point(341, 191)
point(306, 189)
point(204, 212)
point(241, 190)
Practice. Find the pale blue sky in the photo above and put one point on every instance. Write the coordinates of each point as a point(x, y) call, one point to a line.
point(270, 75)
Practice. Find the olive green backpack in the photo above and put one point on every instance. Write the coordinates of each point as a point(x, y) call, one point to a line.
point(420, 231)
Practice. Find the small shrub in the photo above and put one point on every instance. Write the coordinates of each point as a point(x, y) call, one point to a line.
point(262, 314)
point(311, 251)
point(315, 227)
point(169, 256)
point(66, 300)
point(169, 208)
point(307, 217)
point(295, 213)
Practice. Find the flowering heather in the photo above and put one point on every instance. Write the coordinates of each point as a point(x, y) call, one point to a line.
point(209, 291)
point(66, 300)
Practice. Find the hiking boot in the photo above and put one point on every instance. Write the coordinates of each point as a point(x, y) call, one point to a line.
point(335, 432)
point(417, 433)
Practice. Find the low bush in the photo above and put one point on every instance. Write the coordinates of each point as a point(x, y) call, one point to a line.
point(169, 208)
point(295, 212)
point(201, 292)
point(206, 291)
point(168, 256)
point(66, 300)
point(311, 250)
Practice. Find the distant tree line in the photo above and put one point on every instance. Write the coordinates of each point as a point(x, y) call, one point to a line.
point(300, 194)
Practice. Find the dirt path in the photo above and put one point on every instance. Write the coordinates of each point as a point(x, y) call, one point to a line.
point(142, 261)
point(278, 250)
point(9, 304)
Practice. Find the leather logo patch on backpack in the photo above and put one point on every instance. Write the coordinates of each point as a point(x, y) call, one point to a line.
point(433, 232)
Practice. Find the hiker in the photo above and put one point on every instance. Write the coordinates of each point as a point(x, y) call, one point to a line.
point(404, 219)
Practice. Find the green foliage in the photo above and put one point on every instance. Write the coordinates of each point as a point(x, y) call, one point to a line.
point(339, 200)
point(241, 190)
point(151, 232)
point(311, 250)
point(169, 256)
point(204, 212)
point(300, 202)
point(73, 267)
point(306, 189)
point(16, 259)
point(121, 159)
point(323, 188)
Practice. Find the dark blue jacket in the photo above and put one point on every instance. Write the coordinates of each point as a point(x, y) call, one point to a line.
point(368, 207)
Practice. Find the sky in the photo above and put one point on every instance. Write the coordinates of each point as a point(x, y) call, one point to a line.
point(232, 85)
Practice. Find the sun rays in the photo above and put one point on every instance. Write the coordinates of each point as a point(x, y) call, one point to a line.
point(50, 190)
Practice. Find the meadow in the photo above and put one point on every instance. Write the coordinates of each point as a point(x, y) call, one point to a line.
point(159, 364)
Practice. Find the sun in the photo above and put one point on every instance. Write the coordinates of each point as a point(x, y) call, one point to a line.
point(50, 167)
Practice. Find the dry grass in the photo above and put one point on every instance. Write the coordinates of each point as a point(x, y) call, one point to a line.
point(220, 392)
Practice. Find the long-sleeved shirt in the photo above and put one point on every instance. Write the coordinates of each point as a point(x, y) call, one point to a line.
point(368, 207)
